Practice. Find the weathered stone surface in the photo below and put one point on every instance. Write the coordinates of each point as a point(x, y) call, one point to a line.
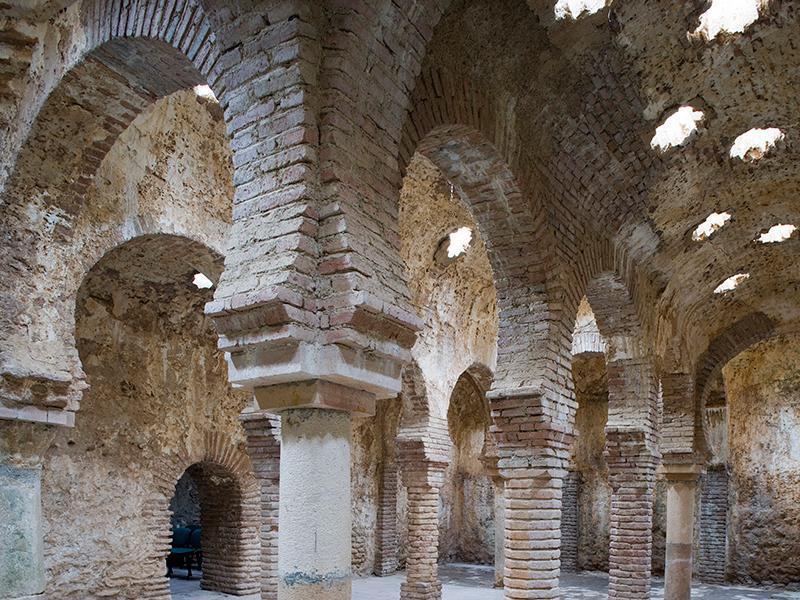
point(21, 549)
point(764, 528)
point(349, 139)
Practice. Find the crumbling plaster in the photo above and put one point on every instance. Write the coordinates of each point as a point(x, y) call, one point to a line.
point(761, 386)
point(169, 172)
point(458, 301)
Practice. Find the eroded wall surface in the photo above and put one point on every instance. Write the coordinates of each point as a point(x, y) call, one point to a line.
point(157, 384)
point(594, 491)
point(457, 302)
point(763, 391)
point(466, 530)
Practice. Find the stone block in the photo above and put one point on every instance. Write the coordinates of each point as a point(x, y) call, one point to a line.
point(21, 551)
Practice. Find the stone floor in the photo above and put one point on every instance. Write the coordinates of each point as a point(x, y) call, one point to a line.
point(182, 588)
point(469, 582)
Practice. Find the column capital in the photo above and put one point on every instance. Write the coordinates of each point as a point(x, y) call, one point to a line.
point(315, 394)
point(277, 335)
point(680, 471)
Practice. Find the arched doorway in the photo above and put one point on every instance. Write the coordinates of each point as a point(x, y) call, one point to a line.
point(213, 528)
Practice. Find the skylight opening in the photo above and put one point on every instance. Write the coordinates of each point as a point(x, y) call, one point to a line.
point(776, 234)
point(205, 91)
point(677, 128)
point(202, 282)
point(714, 222)
point(754, 144)
point(459, 242)
point(728, 16)
point(576, 8)
point(731, 283)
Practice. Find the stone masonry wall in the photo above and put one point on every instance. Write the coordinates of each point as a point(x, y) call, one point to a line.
point(763, 390)
point(158, 399)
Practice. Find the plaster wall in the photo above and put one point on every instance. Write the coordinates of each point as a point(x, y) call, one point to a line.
point(763, 391)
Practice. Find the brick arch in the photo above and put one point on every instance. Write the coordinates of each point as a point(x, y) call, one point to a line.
point(413, 397)
point(608, 281)
point(232, 516)
point(477, 378)
point(453, 125)
point(195, 250)
point(732, 341)
point(135, 54)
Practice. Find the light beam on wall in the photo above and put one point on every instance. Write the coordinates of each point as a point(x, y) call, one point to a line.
point(731, 283)
point(677, 128)
point(575, 8)
point(202, 282)
point(752, 145)
point(729, 16)
point(714, 222)
point(776, 234)
point(459, 242)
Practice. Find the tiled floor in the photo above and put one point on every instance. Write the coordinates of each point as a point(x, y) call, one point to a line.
point(468, 582)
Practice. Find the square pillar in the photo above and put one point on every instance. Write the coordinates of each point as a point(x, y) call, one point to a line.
point(386, 552)
point(499, 531)
point(423, 455)
point(632, 473)
point(681, 492)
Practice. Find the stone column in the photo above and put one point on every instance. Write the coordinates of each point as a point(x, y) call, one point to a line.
point(681, 490)
point(264, 447)
point(533, 452)
point(315, 514)
point(386, 552)
point(423, 454)
point(632, 470)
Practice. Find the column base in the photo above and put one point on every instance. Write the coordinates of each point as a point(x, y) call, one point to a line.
point(417, 590)
point(327, 589)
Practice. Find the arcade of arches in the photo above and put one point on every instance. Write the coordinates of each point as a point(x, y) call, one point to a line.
point(384, 285)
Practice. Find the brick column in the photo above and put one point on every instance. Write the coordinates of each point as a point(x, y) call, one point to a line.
point(386, 552)
point(533, 451)
point(569, 522)
point(499, 531)
point(713, 551)
point(681, 487)
point(423, 481)
point(264, 447)
point(632, 470)
point(423, 453)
